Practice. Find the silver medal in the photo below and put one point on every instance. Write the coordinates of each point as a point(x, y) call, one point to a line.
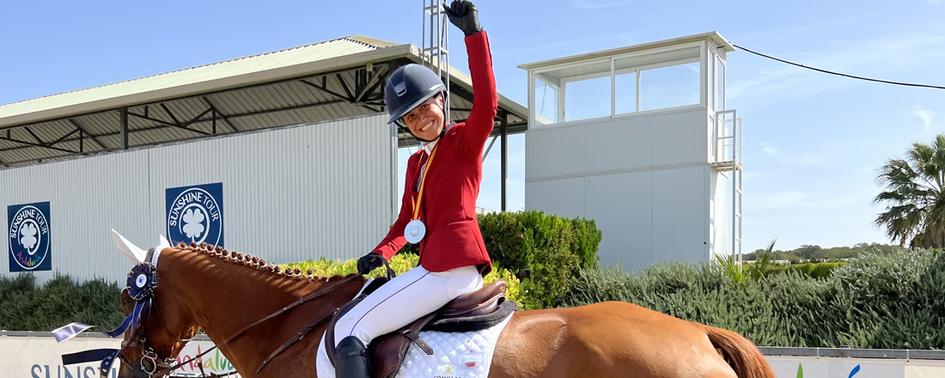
point(415, 231)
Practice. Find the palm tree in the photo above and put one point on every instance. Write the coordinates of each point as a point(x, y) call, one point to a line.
point(914, 198)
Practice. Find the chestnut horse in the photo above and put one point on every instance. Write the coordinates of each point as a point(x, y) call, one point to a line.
point(223, 292)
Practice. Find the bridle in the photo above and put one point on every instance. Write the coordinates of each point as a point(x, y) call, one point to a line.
point(151, 364)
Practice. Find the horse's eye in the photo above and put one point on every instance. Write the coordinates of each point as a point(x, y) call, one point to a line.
point(126, 302)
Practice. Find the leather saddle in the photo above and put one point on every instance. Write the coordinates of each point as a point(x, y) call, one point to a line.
point(478, 310)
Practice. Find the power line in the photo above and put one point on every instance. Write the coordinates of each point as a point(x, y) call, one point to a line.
point(840, 73)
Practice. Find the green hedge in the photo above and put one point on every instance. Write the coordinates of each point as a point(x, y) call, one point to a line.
point(24, 306)
point(542, 250)
point(815, 270)
point(888, 301)
point(401, 263)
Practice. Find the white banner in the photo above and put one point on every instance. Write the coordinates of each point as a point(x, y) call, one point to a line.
point(813, 367)
point(41, 357)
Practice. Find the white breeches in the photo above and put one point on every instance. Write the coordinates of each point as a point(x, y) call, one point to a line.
point(404, 299)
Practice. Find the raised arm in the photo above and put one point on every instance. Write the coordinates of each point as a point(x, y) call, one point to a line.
point(465, 16)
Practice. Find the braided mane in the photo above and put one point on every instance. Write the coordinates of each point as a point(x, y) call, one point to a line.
point(252, 262)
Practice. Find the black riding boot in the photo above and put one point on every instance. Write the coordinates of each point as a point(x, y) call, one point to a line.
point(351, 360)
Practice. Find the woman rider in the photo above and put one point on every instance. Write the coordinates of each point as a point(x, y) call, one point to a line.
point(438, 208)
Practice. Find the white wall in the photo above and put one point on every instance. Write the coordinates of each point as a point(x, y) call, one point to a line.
point(644, 178)
point(37, 356)
point(289, 194)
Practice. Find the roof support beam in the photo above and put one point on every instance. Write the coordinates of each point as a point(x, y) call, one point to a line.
point(216, 111)
point(30, 131)
point(31, 144)
point(344, 86)
point(124, 128)
point(86, 131)
point(324, 88)
point(349, 98)
point(375, 81)
point(169, 114)
point(165, 124)
point(177, 123)
point(63, 137)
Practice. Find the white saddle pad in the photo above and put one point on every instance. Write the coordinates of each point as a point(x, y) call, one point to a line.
point(455, 355)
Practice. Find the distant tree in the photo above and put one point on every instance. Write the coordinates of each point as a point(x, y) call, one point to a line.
point(809, 252)
point(914, 198)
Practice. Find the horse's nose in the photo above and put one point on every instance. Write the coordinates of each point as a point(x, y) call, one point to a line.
point(127, 371)
point(124, 371)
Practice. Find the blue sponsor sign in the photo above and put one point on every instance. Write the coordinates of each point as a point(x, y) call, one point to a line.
point(195, 214)
point(29, 237)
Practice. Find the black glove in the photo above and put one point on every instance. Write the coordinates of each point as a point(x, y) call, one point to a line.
point(369, 262)
point(464, 15)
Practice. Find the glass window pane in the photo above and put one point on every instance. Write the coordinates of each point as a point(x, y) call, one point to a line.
point(719, 85)
point(626, 92)
point(546, 102)
point(670, 86)
point(588, 98)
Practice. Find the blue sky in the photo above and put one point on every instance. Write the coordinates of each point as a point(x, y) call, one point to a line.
point(813, 142)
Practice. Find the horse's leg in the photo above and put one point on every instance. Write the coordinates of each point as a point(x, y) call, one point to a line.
point(602, 340)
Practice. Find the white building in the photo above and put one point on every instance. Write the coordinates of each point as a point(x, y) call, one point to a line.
point(285, 155)
point(639, 139)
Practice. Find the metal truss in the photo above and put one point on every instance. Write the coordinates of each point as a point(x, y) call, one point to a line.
point(366, 91)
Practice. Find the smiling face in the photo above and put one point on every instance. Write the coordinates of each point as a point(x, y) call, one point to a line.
point(426, 121)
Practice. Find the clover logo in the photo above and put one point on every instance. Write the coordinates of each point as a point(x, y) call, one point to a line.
point(193, 223)
point(28, 237)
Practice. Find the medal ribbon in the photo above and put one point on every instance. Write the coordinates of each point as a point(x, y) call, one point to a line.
point(423, 179)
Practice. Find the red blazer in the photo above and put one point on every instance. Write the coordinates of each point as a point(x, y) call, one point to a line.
point(448, 208)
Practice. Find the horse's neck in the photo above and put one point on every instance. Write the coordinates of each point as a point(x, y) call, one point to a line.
point(225, 297)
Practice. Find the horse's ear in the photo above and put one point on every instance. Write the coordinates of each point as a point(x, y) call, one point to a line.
point(132, 252)
point(164, 243)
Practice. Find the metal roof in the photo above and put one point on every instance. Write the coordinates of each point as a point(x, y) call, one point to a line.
point(712, 37)
point(335, 79)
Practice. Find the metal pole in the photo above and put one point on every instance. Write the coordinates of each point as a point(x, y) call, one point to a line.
point(393, 173)
point(505, 158)
point(124, 128)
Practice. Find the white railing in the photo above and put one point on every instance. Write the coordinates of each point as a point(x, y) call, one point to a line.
point(727, 148)
point(727, 152)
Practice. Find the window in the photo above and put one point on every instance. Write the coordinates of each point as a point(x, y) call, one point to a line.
point(671, 86)
point(587, 98)
point(617, 85)
point(546, 102)
point(626, 92)
point(719, 84)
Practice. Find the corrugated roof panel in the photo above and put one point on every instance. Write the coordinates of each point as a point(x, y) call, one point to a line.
point(251, 106)
point(204, 73)
point(4, 144)
point(101, 123)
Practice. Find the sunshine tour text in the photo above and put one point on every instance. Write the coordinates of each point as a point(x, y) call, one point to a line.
point(46, 371)
point(28, 213)
point(191, 197)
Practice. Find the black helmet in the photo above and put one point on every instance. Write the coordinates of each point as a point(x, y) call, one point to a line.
point(409, 86)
